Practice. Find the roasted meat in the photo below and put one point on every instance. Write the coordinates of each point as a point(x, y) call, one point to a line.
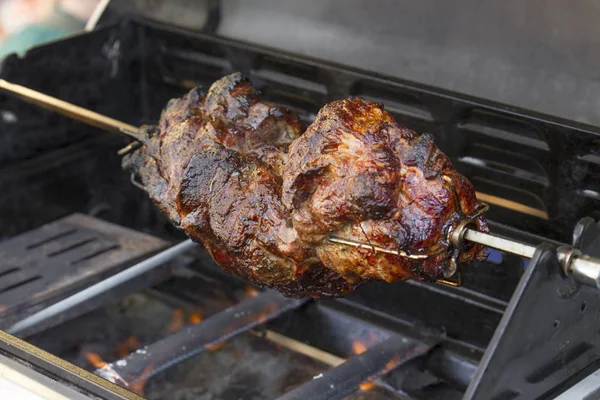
point(239, 175)
point(212, 165)
point(356, 174)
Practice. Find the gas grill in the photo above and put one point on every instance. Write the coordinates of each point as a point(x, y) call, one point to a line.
point(71, 218)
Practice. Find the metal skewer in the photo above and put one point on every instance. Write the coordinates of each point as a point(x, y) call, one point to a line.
point(471, 235)
point(70, 110)
point(585, 269)
point(499, 243)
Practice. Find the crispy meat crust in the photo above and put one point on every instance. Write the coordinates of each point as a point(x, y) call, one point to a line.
point(238, 175)
point(356, 174)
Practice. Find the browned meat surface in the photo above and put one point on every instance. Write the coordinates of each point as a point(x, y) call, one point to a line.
point(356, 174)
point(238, 175)
point(213, 165)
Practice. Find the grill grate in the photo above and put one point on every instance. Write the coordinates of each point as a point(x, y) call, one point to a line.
point(47, 264)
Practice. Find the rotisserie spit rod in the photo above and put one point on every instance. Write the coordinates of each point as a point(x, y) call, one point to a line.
point(583, 268)
point(70, 110)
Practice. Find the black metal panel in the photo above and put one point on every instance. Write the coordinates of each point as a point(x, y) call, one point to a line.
point(548, 334)
point(336, 325)
point(87, 70)
point(461, 316)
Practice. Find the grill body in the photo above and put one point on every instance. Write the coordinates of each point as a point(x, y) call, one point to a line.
point(540, 173)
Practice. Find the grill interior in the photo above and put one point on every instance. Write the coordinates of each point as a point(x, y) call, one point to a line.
point(52, 167)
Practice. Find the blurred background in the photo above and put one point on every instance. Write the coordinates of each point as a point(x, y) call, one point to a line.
point(543, 55)
point(25, 23)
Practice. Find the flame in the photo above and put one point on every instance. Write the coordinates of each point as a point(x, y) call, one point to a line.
point(358, 347)
point(139, 384)
point(128, 346)
point(392, 364)
point(389, 366)
point(251, 291)
point(95, 360)
point(195, 318)
point(214, 346)
point(361, 345)
point(177, 321)
point(264, 315)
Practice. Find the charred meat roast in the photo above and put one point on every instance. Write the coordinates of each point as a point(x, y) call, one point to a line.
point(242, 177)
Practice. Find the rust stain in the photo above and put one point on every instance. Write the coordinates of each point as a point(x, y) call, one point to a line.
point(264, 315)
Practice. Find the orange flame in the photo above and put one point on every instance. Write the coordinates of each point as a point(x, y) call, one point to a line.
point(361, 345)
point(393, 363)
point(129, 345)
point(139, 384)
point(95, 360)
point(177, 321)
point(251, 291)
point(389, 366)
point(358, 347)
point(195, 318)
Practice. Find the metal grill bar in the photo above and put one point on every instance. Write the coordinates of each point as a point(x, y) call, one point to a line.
point(195, 339)
point(99, 288)
point(366, 367)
